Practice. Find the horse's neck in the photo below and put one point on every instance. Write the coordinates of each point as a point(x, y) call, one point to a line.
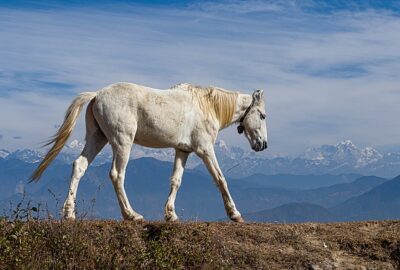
point(243, 102)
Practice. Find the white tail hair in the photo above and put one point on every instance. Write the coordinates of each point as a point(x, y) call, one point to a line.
point(63, 133)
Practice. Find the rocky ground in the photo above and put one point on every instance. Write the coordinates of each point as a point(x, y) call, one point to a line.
point(198, 245)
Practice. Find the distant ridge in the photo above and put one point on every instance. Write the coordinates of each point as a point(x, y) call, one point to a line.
point(147, 186)
point(292, 213)
point(342, 158)
point(382, 202)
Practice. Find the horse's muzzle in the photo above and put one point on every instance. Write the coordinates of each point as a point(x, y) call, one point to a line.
point(260, 146)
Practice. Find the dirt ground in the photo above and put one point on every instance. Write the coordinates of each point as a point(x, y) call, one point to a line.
point(198, 245)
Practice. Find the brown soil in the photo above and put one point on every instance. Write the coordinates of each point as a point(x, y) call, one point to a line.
point(198, 245)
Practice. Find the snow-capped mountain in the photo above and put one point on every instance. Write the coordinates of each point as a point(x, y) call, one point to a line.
point(4, 153)
point(341, 158)
point(344, 152)
point(160, 154)
point(26, 155)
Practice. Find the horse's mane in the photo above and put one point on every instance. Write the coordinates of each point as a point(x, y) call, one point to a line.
point(213, 101)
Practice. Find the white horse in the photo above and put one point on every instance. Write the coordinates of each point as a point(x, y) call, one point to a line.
point(185, 117)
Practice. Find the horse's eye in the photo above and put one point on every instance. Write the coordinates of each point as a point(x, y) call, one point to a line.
point(262, 116)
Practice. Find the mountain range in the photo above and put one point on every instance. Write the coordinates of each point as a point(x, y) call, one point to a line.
point(326, 183)
point(342, 158)
point(281, 197)
point(379, 203)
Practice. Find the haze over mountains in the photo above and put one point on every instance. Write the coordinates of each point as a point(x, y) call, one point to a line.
point(379, 203)
point(323, 184)
point(342, 158)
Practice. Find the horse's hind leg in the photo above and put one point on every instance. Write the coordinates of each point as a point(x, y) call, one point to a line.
point(117, 175)
point(94, 143)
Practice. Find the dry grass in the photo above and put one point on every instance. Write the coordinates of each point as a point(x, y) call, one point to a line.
point(157, 245)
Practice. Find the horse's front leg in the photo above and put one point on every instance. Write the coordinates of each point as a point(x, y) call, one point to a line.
point(210, 160)
point(176, 179)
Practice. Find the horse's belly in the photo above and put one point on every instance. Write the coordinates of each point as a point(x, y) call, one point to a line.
point(161, 136)
point(149, 140)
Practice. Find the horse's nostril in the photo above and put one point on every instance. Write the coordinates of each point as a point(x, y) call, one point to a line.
point(265, 145)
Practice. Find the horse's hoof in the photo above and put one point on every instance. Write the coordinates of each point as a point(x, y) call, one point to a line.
point(136, 218)
point(237, 219)
point(139, 218)
point(171, 217)
point(69, 218)
point(68, 215)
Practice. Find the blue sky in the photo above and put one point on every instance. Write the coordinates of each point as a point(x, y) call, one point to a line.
point(330, 69)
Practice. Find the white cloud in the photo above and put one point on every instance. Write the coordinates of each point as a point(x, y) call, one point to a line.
point(327, 76)
point(237, 6)
point(28, 119)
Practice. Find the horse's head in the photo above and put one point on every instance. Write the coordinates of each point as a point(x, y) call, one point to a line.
point(254, 124)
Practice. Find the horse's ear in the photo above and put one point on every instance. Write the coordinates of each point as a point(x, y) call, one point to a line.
point(258, 95)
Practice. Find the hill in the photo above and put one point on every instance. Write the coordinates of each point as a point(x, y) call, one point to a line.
point(260, 197)
point(379, 200)
point(336, 194)
point(382, 202)
point(299, 182)
point(291, 213)
point(126, 245)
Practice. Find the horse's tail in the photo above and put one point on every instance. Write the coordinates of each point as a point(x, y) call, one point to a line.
point(60, 138)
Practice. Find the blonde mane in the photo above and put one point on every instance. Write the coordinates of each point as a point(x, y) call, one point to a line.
point(215, 102)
